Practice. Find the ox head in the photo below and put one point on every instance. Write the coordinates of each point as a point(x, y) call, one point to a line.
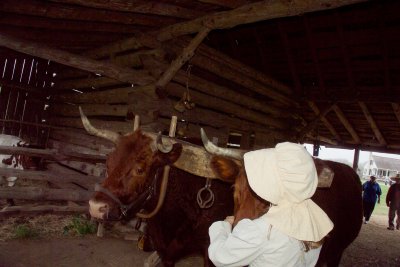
point(228, 164)
point(132, 169)
point(21, 161)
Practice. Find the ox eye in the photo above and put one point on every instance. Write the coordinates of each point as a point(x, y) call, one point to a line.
point(139, 171)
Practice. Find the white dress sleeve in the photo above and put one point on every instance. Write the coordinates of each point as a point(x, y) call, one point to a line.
point(237, 248)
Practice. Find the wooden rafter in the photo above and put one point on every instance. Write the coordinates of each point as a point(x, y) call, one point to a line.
point(261, 51)
point(263, 10)
point(345, 96)
point(226, 3)
point(310, 126)
point(314, 54)
point(372, 123)
point(347, 124)
point(381, 31)
point(60, 11)
point(185, 55)
point(322, 138)
point(325, 121)
point(66, 25)
point(259, 11)
point(232, 74)
point(243, 68)
point(344, 51)
point(289, 56)
point(396, 110)
point(216, 90)
point(139, 6)
point(76, 61)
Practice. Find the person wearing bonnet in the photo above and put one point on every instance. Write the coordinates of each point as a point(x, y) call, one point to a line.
point(286, 177)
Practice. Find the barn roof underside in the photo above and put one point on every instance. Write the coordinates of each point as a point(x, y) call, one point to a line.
point(331, 75)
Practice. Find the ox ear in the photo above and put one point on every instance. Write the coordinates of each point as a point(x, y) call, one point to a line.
point(226, 168)
point(172, 156)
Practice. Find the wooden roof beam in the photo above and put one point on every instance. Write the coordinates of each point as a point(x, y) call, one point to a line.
point(197, 83)
point(138, 6)
point(186, 54)
point(346, 124)
point(246, 120)
point(311, 125)
point(61, 11)
point(396, 110)
point(254, 12)
point(226, 3)
point(293, 70)
point(111, 70)
point(324, 120)
point(242, 68)
point(219, 91)
point(382, 33)
point(322, 139)
point(67, 25)
point(314, 55)
point(259, 11)
point(372, 123)
point(233, 74)
point(344, 51)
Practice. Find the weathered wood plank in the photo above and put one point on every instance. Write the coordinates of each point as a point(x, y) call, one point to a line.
point(259, 11)
point(50, 154)
point(61, 11)
point(347, 124)
point(372, 123)
point(220, 69)
point(80, 62)
point(213, 89)
point(52, 175)
point(39, 210)
point(35, 193)
point(139, 6)
point(82, 138)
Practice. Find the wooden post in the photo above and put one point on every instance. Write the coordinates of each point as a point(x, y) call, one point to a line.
point(136, 123)
point(356, 158)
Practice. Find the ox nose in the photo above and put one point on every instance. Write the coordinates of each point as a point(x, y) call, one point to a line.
point(97, 209)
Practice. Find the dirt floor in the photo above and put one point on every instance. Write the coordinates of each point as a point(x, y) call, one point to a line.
point(375, 246)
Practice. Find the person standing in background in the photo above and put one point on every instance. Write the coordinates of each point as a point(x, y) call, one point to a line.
point(393, 202)
point(371, 192)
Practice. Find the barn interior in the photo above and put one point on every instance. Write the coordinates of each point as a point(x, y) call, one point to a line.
point(251, 73)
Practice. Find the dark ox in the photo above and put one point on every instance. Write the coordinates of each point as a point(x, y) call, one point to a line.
point(180, 227)
point(341, 201)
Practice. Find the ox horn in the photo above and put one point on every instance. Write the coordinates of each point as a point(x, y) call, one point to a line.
point(164, 148)
point(106, 134)
point(216, 150)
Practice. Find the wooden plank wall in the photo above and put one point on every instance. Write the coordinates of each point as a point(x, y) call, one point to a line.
point(25, 82)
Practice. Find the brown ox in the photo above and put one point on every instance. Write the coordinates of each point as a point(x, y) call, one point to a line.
point(341, 201)
point(180, 227)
